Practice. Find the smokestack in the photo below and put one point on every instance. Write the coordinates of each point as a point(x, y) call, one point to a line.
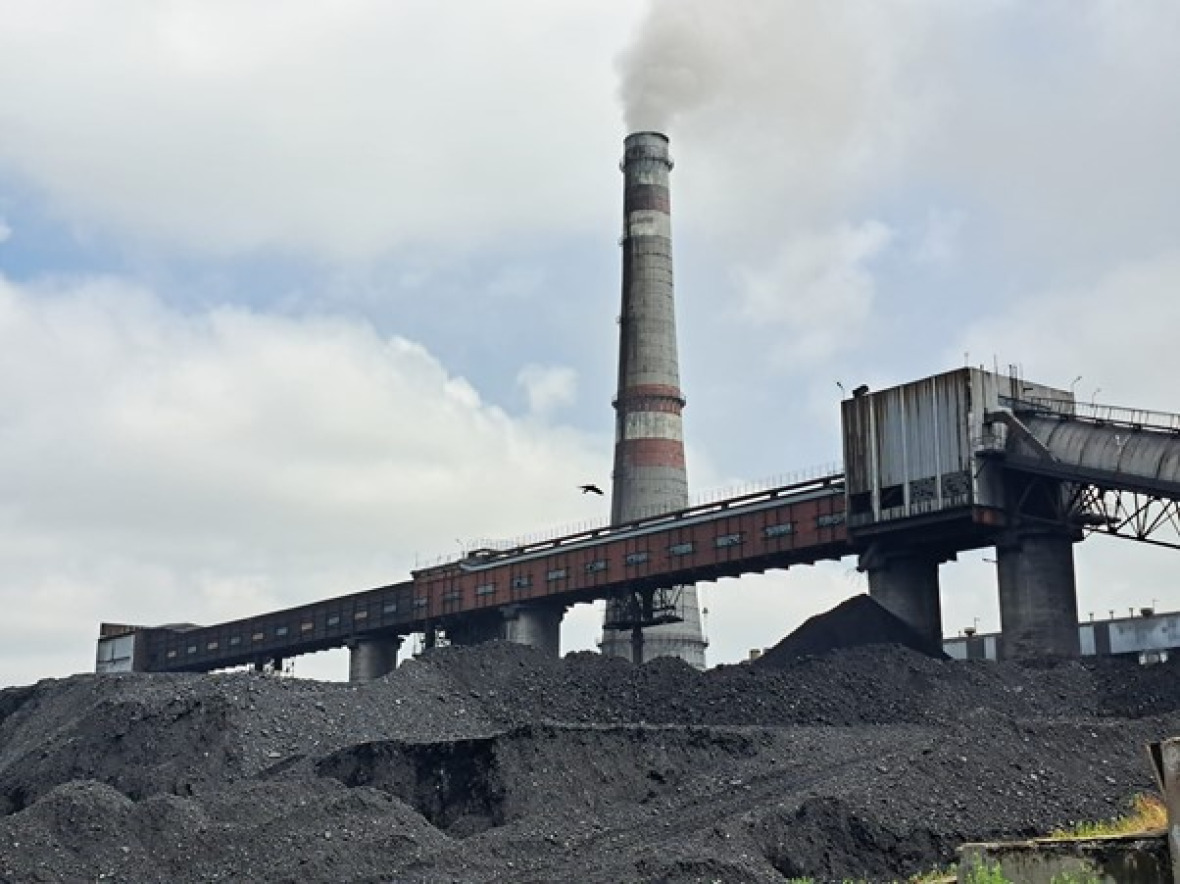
point(649, 470)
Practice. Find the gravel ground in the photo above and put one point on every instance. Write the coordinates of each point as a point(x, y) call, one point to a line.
point(497, 764)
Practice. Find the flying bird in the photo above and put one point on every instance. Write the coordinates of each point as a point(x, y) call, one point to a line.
point(590, 489)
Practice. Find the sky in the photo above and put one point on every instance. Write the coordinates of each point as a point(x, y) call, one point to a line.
point(296, 297)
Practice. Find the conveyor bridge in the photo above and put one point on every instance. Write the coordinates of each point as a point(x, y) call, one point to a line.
point(791, 525)
point(962, 460)
point(1121, 466)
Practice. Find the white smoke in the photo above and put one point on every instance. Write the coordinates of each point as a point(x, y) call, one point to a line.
point(670, 68)
point(803, 58)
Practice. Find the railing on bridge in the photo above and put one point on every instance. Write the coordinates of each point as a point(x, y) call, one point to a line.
point(705, 508)
point(827, 472)
point(1136, 418)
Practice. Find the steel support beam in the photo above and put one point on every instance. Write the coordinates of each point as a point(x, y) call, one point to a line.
point(1149, 518)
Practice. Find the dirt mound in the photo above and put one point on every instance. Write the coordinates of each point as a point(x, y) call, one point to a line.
point(857, 622)
point(495, 763)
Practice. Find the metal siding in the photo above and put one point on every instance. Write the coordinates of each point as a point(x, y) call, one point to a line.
point(989, 644)
point(889, 413)
point(1144, 634)
point(1086, 640)
point(955, 648)
point(116, 654)
point(859, 476)
point(922, 445)
point(915, 438)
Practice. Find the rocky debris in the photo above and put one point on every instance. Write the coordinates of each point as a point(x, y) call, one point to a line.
point(494, 763)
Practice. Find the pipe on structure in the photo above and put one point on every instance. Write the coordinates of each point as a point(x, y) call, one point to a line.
point(1038, 594)
point(372, 658)
point(649, 475)
point(905, 583)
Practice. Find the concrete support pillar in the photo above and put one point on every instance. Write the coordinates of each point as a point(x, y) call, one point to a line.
point(905, 583)
point(538, 626)
point(475, 629)
point(1038, 594)
point(372, 658)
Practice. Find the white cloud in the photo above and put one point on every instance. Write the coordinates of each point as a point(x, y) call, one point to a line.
point(346, 129)
point(817, 287)
point(941, 239)
point(158, 467)
point(1053, 122)
point(548, 387)
point(1117, 332)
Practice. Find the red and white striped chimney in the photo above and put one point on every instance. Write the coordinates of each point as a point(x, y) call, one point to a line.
point(649, 468)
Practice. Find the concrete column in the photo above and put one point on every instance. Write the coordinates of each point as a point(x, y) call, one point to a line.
point(372, 658)
point(1038, 595)
point(538, 626)
point(477, 628)
point(905, 583)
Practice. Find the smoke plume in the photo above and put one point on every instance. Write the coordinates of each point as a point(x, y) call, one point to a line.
point(671, 67)
point(817, 66)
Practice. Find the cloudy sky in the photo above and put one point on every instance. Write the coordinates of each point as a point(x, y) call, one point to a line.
point(295, 296)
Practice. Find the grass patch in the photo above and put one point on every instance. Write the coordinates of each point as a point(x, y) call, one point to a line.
point(1147, 813)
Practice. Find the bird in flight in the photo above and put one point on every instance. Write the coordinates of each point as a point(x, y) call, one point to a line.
point(590, 489)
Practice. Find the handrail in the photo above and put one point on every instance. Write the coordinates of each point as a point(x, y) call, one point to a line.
point(1137, 418)
point(483, 556)
point(589, 527)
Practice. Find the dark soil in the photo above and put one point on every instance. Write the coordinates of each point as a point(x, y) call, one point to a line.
point(495, 764)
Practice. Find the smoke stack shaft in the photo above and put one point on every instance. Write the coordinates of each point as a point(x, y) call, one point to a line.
point(649, 470)
point(649, 475)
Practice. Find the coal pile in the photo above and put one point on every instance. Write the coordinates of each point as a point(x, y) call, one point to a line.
point(495, 763)
point(857, 622)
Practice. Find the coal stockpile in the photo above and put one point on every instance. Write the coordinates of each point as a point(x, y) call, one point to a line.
point(495, 763)
point(854, 623)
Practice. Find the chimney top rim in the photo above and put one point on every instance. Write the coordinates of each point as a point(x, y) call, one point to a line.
point(646, 133)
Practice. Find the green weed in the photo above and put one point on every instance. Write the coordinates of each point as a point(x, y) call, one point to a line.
point(1147, 813)
point(988, 873)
